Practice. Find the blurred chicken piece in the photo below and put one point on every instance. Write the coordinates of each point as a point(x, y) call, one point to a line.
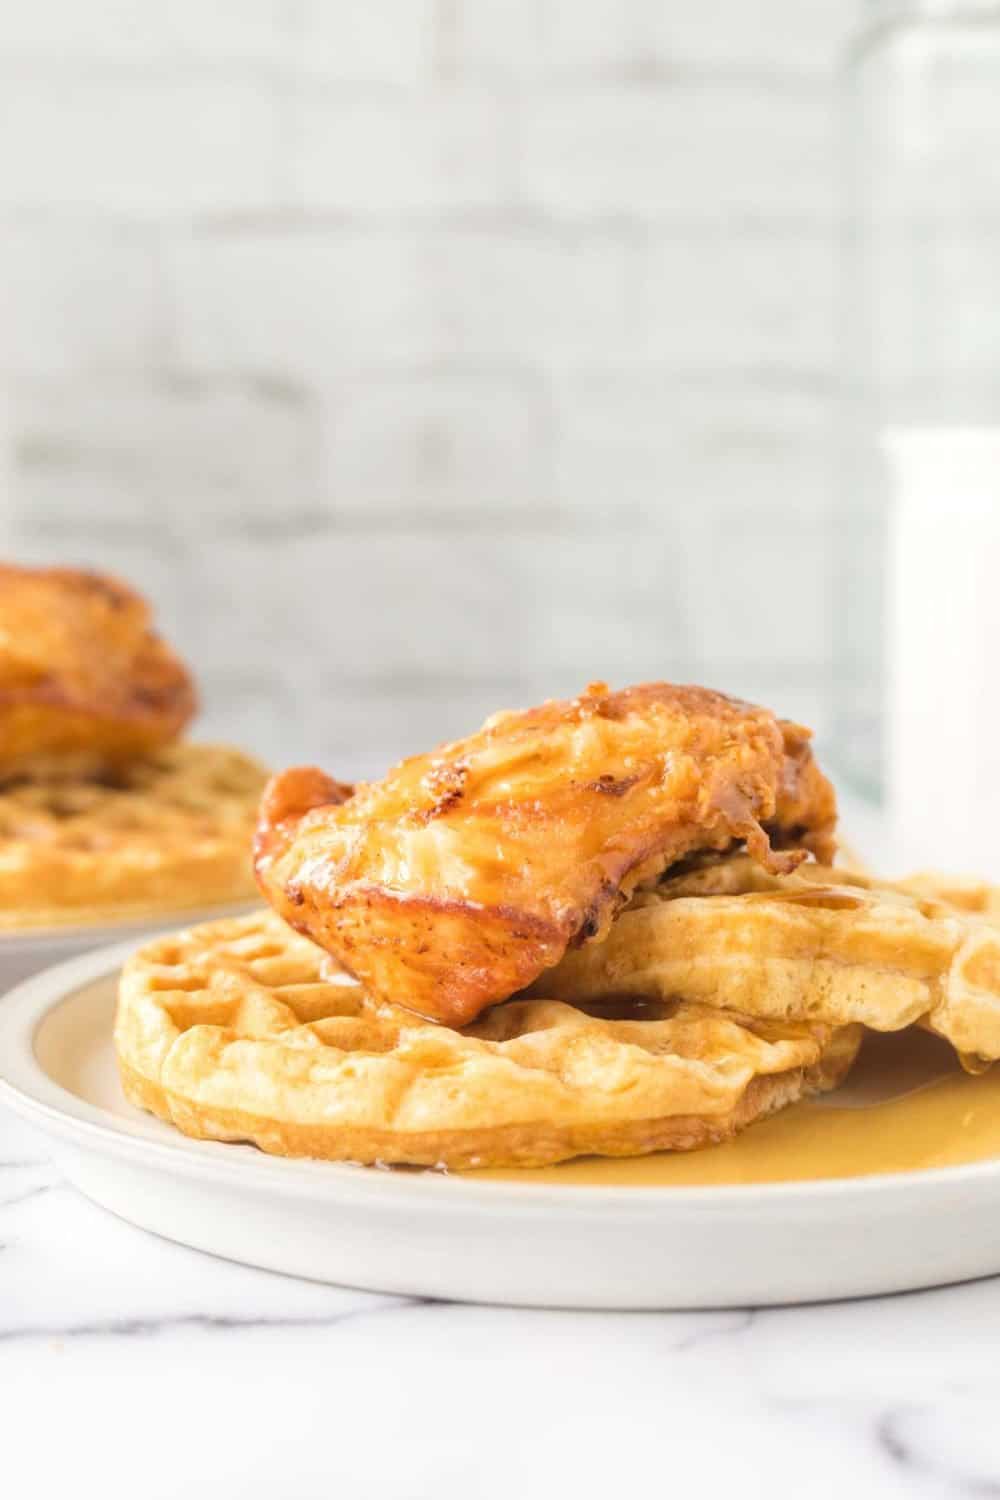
point(463, 874)
point(85, 683)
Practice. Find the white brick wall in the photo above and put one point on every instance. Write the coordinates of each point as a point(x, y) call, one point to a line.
point(300, 300)
point(461, 446)
point(419, 356)
point(140, 142)
point(80, 296)
point(650, 440)
point(181, 456)
point(366, 149)
point(643, 37)
point(704, 307)
point(533, 289)
point(718, 152)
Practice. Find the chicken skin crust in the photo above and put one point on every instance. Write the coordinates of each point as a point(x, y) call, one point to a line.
point(85, 683)
point(460, 877)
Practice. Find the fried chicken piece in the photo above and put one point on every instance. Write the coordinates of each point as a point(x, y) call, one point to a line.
point(460, 877)
point(85, 683)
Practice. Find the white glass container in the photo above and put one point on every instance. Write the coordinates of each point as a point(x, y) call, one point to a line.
point(922, 392)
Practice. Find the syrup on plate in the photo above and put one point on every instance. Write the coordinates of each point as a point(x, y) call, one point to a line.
point(906, 1105)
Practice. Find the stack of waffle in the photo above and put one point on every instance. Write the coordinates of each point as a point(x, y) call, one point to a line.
point(104, 813)
point(608, 926)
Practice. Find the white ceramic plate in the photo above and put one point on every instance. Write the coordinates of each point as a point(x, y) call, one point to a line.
point(33, 949)
point(429, 1234)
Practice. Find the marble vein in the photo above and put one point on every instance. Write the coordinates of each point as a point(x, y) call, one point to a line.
point(733, 1325)
point(151, 1327)
point(22, 1197)
point(907, 1434)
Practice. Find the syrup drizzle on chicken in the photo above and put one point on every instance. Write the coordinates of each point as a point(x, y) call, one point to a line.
point(463, 874)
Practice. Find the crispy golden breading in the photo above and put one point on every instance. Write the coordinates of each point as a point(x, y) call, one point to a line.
point(820, 944)
point(85, 683)
point(168, 833)
point(465, 873)
point(243, 1031)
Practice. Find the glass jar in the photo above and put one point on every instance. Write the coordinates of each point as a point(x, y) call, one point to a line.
point(922, 330)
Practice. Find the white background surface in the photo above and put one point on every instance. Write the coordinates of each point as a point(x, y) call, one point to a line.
point(423, 356)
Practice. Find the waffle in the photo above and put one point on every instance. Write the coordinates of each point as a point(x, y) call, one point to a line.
point(242, 1030)
point(165, 834)
point(821, 944)
point(967, 893)
point(737, 875)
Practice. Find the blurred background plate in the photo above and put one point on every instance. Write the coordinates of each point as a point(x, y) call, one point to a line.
point(28, 952)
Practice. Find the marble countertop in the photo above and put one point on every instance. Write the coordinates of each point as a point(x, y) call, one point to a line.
point(154, 1370)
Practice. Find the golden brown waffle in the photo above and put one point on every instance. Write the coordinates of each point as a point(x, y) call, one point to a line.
point(242, 1030)
point(822, 944)
point(168, 833)
point(964, 892)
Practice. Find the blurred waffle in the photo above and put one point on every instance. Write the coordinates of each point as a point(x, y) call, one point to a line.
point(966, 893)
point(242, 1030)
point(821, 944)
point(169, 832)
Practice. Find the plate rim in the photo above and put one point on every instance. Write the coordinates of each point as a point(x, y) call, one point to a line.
point(61, 935)
point(34, 1095)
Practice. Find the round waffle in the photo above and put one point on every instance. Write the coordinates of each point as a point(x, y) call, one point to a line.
point(163, 834)
point(242, 1030)
point(966, 892)
point(821, 944)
